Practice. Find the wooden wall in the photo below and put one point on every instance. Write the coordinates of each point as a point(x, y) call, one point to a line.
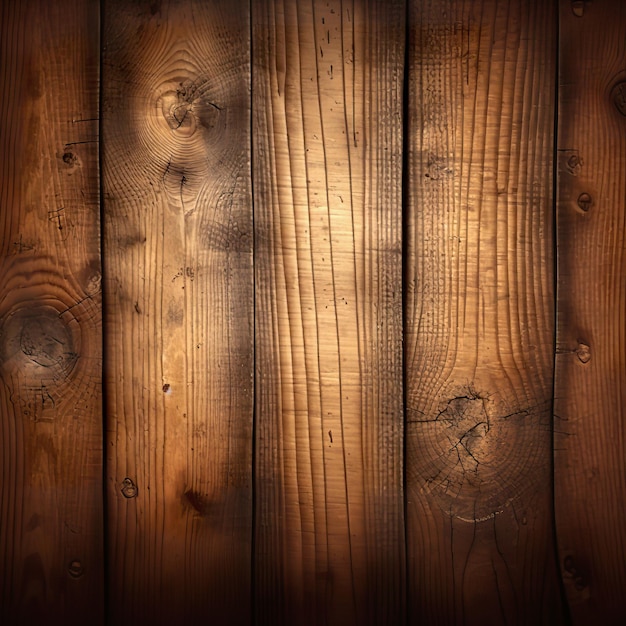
point(312, 312)
point(51, 420)
point(479, 313)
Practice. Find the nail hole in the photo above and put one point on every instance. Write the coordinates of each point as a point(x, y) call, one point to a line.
point(129, 488)
point(585, 201)
point(583, 352)
point(75, 569)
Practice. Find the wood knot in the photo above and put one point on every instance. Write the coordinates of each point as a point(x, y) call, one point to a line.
point(584, 201)
point(619, 97)
point(573, 572)
point(69, 158)
point(188, 106)
point(75, 569)
point(199, 502)
point(583, 352)
point(37, 336)
point(44, 341)
point(475, 452)
point(578, 8)
point(574, 163)
point(129, 489)
point(467, 425)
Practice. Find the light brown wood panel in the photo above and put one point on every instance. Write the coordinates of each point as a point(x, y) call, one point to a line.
point(50, 315)
point(179, 310)
point(327, 145)
point(590, 390)
point(479, 313)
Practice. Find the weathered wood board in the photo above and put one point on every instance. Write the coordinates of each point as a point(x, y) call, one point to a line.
point(479, 313)
point(51, 505)
point(327, 145)
point(179, 310)
point(590, 388)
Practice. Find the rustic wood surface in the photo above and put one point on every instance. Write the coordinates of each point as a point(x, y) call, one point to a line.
point(479, 313)
point(337, 356)
point(51, 506)
point(179, 310)
point(327, 145)
point(590, 390)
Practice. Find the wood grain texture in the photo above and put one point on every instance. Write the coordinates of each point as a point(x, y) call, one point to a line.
point(179, 294)
point(327, 144)
point(50, 315)
point(590, 391)
point(479, 313)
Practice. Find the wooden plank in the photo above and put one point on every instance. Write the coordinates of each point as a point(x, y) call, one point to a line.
point(50, 315)
point(179, 293)
point(479, 313)
point(590, 390)
point(327, 144)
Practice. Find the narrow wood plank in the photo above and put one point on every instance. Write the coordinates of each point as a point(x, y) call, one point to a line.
point(179, 294)
point(479, 313)
point(590, 391)
point(327, 144)
point(51, 568)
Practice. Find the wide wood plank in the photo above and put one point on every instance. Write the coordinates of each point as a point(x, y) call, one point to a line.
point(51, 568)
point(479, 313)
point(327, 144)
point(590, 390)
point(179, 318)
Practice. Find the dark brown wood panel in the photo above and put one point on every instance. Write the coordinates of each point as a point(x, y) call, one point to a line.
point(479, 320)
point(590, 391)
point(327, 145)
point(51, 514)
point(179, 317)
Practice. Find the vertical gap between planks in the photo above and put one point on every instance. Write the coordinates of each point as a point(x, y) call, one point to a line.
point(254, 310)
